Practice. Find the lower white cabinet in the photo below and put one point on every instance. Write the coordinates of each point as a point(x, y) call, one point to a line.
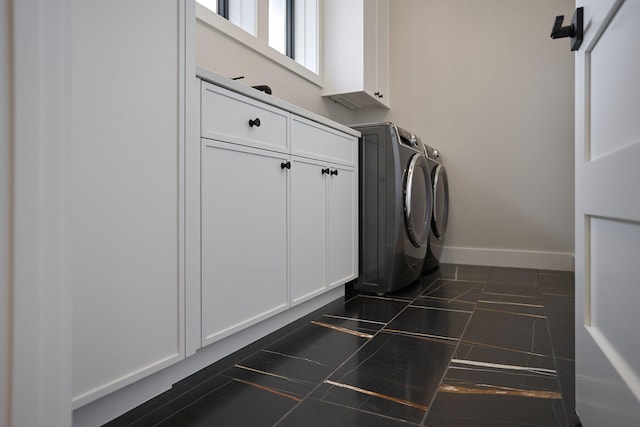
point(342, 225)
point(278, 205)
point(308, 228)
point(323, 228)
point(244, 237)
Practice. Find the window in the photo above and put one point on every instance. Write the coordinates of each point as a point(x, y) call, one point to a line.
point(290, 27)
point(240, 12)
point(305, 33)
point(293, 30)
point(212, 5)
point(278, 19)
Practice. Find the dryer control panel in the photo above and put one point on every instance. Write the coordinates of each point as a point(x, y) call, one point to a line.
point(409, 139)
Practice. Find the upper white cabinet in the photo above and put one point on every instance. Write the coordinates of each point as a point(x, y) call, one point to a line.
point(125, 191)
point(356, 53)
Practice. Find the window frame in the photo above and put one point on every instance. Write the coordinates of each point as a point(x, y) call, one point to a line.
point(223, 8)
point(290, 27)
point(260, 44)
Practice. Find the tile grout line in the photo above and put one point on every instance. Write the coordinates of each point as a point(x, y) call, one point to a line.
point(545, 294)
point(553, 356)
point(408, 303)
point(444, 374)
point(191, 403)
point(217, 375)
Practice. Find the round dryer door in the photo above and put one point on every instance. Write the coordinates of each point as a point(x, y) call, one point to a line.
point(418, 200)
point(440, 202)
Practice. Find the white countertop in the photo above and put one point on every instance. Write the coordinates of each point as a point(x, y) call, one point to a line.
point(270, 99)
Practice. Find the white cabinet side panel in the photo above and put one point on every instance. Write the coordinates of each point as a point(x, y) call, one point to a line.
point(125, 192)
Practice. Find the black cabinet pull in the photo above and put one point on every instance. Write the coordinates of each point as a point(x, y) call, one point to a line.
point(334, 172)
point(326, 170)
point(285, 165)
point(255, 123)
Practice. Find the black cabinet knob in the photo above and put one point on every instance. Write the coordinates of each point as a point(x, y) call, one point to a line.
point(255, 123)
point(334, 172)
point(325, 170)
point(285, 165)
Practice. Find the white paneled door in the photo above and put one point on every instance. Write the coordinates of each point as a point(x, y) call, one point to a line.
point(608, 214)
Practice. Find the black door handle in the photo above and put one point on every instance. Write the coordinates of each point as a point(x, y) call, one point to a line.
point(575, 31)
point(334, 172)
point(325, 170)
point(285, 165)
point(255, 122)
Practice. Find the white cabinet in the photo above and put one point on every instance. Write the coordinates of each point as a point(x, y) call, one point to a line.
point(244, 211)
point(244, 237)
point(342, 225)
point(308, 228)
point(323, 227)
point(356, 53)
point(279, 210)
point(125, 192)
point(323, 209)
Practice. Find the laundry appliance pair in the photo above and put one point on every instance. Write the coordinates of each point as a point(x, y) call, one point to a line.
point(403, 207)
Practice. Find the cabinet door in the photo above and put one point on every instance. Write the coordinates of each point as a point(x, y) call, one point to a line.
point(308, 219)
point(370, 47)
point(382, 51)
point(376, 56)
point(342, 236)
point(244, 237)
point(125, 191)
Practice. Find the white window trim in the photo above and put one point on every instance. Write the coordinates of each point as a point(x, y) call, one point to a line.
point(258, 45)
point(307, 42)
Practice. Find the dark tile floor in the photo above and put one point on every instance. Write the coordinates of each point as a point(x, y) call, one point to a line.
point(464, 346)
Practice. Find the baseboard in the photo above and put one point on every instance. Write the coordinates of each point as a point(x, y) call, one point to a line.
point(563, 261)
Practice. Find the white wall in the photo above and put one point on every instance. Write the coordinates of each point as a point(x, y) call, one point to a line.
point(484, 83)
point(5, 205)
point(219, 53)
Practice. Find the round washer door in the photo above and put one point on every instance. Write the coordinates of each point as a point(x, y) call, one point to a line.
point(418, 200)
point(440, 202)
